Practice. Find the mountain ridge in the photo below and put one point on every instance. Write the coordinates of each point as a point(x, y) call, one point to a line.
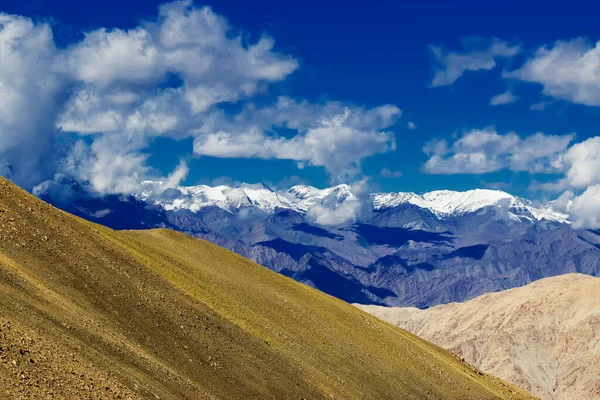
point(300, 198)
point(544, 337)
point(92, 312)
point(406, 255)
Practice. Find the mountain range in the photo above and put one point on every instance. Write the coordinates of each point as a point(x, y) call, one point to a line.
point(544, 337)
point(89, 312)
point(444, 204)
point(394, 249)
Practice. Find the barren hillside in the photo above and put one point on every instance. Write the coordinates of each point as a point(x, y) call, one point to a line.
point(544, 337)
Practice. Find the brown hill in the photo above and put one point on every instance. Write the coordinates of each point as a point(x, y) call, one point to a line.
point(544, 337)
point(88, 312)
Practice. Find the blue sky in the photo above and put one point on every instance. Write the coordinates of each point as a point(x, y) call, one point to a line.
point(328, 55)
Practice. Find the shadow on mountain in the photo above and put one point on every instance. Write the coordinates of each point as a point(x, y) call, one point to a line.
point(475, 252)
point(314, 230)
point(337, 285)
point(398, 236)
point(393, 261)
point(294, 250)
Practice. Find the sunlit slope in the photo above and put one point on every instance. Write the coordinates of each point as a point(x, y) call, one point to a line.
point(544, 337)
point(85, 310)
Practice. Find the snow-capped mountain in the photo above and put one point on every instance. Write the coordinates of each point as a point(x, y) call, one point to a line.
point(443, 204)
point(195, 198)
point(304, 196)
point(400, 249)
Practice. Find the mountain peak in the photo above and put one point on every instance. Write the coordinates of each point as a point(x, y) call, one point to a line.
point(451, 202)
point(300, 198)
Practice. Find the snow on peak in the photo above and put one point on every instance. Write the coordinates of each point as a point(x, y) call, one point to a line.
point(459, 203)
point(442, 203)
point(383, 201)
point(194, 198)
point(448, 203)
point(304, 196)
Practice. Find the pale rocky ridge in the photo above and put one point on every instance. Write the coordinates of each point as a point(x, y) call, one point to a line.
point(544, 337)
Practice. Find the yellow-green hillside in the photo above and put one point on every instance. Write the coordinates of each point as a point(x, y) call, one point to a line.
point(86, 311)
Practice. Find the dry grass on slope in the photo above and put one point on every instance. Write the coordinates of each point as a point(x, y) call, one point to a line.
point(90, 312)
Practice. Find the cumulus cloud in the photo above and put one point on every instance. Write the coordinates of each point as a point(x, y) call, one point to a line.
point(345, 214)
point(583, 210)
point(581, 200)
point(582, 161)
point(118, 89)
point(119, 96)
point(478, 54)
point(332, 135)
point(411, 125)
point(332, 212)
point(198, 45)
point(108, 87)
point(106, 57)
point(503, 98)
point(483, 151)
point(580, 169)
point(30, 97)
point(567, 70)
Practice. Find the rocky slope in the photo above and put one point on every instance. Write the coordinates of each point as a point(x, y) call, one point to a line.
point(88, 312)
point(544, 337)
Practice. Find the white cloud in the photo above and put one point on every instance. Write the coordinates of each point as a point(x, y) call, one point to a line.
point(86, 112)
point(109, 164)
point(333, 213)
point(346, 213)
point(111, 57)
point(581, 200)
point(583, 210)
point(478, 54)
point(30, 93)
point(331, 135)
point(119, 104)
point(174, 179)
point(582, 161)
point(167, 77)
point(568, 70)
point(213, 61)
point(411, 125)
point(503, 98)
point(120, 73)
point(484, 151)
point(108, 87)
